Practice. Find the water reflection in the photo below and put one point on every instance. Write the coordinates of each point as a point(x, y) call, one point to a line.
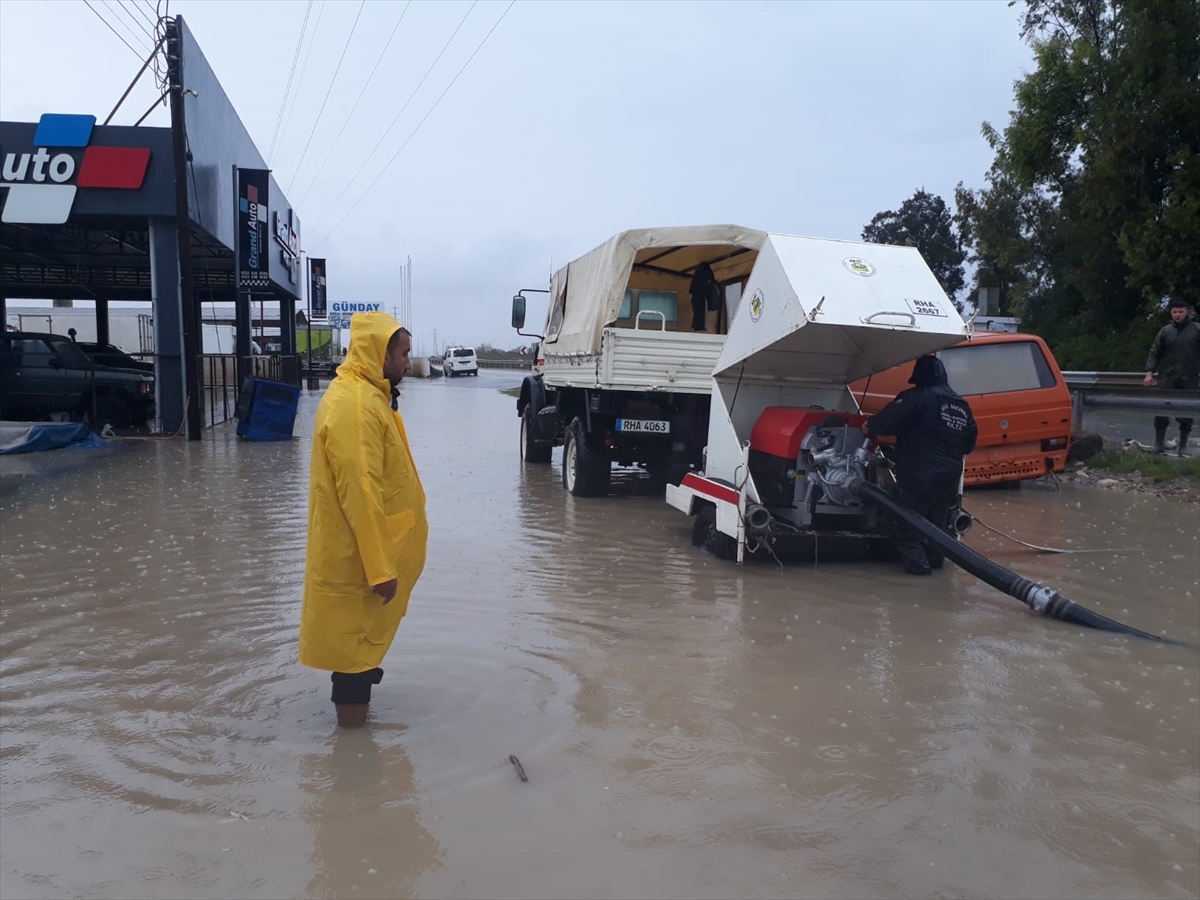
point(364, 815)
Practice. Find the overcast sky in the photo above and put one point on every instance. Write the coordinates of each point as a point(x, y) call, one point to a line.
point(573, 121)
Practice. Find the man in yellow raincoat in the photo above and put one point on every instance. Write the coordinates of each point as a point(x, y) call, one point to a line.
point(366, 518)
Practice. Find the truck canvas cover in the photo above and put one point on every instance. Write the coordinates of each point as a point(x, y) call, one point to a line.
point(826, 312)
point(586, 294)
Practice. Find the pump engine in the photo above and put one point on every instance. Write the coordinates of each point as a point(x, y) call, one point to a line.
point(801, 461)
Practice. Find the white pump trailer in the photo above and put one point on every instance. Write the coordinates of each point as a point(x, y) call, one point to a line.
point(784, 435)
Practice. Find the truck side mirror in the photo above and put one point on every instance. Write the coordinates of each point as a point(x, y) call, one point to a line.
point(518, 312)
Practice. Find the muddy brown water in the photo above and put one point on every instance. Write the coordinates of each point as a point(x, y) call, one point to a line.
point(689, 728)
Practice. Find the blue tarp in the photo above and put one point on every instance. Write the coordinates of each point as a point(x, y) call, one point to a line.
point(32, 437)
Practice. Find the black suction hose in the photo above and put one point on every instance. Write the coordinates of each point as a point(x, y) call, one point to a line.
point(1037, 597)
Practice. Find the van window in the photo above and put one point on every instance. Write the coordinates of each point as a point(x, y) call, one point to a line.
point(997, 368)
point(464, 352)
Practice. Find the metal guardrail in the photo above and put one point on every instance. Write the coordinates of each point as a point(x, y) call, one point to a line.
point(1124, 390)
point(492, 363)
point(1103, 379)
point(505, 364)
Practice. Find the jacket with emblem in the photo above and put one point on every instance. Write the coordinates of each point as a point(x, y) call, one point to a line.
point(933, 426)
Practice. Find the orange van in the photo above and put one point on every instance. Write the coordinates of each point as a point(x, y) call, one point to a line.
point(1017, 394)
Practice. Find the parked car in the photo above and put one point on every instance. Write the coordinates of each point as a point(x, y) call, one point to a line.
point(44, 375)
point(113, 356)
point(460, 361)
point(1015, 389)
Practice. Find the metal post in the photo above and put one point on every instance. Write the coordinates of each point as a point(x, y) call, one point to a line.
point(102, 330)
point(1076, 411)
point(193, 377)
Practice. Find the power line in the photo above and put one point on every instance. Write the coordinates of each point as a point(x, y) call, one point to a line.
point(375, 149)
point(142, 13)
point(342, 131)
point(303, 68)
point(328, 91)
point(113, 30)
point(288, 87)
point(419, 124)
point(116, 18)
point(134, 19)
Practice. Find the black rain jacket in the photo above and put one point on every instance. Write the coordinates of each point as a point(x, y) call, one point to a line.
point(933, 426)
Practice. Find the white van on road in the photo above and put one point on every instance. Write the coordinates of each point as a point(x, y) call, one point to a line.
point(460, 361)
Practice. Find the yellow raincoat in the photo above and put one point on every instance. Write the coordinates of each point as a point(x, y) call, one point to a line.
point(366, 512)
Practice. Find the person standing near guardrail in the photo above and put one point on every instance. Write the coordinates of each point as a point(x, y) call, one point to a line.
point(367, 529)
point(1174, 364)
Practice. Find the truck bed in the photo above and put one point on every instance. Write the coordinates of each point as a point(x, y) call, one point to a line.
point(640, 360)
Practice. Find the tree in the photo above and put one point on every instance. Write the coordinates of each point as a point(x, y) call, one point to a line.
point(1090, 215)
point(924, 222)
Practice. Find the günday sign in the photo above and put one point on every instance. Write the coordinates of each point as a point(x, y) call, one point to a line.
point(340, 312)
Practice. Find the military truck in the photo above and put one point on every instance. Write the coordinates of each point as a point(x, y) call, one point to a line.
point(622, 373)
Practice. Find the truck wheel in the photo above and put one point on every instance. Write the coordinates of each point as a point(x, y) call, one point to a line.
point(532, 449)
point(706, 537)
point(587, 472)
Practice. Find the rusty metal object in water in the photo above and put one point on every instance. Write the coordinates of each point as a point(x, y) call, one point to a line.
point(512, 758)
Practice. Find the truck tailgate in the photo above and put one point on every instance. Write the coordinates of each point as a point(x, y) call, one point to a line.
point(672, 361)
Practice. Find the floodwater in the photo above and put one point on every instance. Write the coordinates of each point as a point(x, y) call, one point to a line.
point(689, 728)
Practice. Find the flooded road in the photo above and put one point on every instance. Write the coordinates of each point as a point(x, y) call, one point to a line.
point(689, 728)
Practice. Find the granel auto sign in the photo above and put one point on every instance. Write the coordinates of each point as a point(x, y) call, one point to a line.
point(42, 182)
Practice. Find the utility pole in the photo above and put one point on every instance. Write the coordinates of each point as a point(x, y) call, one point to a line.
point(183, 226)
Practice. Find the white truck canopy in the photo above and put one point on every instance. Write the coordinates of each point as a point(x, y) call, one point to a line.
point(586, 294)
point(826, 312)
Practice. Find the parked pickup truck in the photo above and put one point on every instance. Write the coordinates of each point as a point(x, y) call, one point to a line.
point(44, 375)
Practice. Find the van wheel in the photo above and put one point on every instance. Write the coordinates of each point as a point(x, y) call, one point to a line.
point(587, 471)
point(533, 450)
point(706, 537)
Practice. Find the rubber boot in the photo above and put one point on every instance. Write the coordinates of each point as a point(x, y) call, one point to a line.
point(1184, 431)
point(1160, 436)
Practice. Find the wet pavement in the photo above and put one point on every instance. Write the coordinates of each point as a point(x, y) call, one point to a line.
point(689, 728)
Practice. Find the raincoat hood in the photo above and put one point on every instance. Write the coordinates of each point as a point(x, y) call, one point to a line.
point(369, 336)
point(928, 371)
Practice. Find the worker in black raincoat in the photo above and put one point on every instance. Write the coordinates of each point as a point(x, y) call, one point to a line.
point(934, 430)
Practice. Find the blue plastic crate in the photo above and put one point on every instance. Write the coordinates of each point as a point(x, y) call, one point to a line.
point(267, 410)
